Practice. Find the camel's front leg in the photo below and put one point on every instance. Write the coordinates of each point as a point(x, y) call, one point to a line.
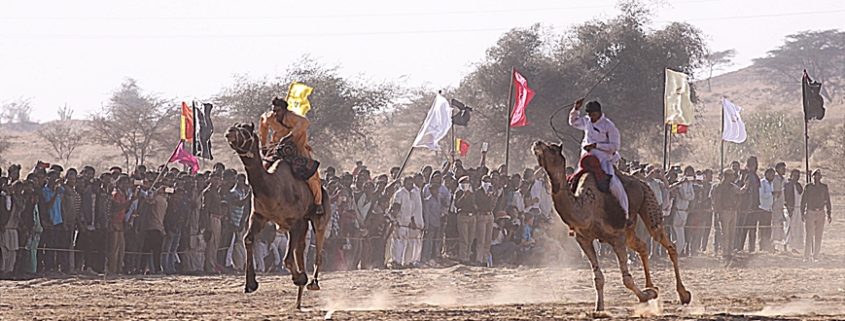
point(256, 224)
point(590, 251)
point(622, 255)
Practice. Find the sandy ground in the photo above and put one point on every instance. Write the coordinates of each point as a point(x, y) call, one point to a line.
point(758, 287)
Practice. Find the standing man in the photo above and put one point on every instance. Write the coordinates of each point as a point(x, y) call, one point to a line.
point(815, 202)
point(485, 197)
point(407, 206)
point(749, 206)
point(119, 204)
point(795, 222)
point(285, 123)
point(725, 204)
point(778, 219)
point(601, 139)
point(767, 199)
point(214, 209)
point(465, 205)
point(684, 191)
point(436, 201)
point(152, 225)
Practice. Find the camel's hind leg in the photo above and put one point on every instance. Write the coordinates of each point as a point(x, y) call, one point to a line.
point(636, 244)
point(590, 252)
point(295, 259)
point(659, 235)
point(256, 223)
point(319, 226)
point(621, 251)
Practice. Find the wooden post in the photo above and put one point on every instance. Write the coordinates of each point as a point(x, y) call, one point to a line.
point(508, 122)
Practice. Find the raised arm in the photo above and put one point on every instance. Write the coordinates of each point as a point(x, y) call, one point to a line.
point(575, 119)
point(263, 130)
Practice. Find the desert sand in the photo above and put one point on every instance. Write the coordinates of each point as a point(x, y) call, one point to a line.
point(756, 287)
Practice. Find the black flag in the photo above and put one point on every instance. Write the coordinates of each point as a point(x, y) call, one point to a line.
point(205, 128)
point(813, 102)
point(463, 115)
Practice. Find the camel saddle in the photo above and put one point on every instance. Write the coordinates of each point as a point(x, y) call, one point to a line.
point(303, 167)
point(590, 164)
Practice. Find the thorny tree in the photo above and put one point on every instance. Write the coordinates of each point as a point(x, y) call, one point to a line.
point(135, 122)
point(62, 135)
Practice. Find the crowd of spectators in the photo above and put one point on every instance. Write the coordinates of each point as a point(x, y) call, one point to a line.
point(55, 221)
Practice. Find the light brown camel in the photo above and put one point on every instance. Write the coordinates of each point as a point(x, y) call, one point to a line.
point(593, 214)
point(280, 198)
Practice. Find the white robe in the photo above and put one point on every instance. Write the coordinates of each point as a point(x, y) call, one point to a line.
point(605, 135)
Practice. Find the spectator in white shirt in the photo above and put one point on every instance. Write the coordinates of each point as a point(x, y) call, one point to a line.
point(407, 208)
point(766, 201)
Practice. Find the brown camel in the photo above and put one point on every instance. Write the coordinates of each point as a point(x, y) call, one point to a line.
point(593, 214)
point(280, 198)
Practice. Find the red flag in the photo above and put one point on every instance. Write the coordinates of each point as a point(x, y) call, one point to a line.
point(524, 94)
point(181, 156)
point(462, 147)
point(186, 127)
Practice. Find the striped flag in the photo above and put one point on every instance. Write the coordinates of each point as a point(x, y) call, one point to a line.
point(186, 126)
point(461, 147)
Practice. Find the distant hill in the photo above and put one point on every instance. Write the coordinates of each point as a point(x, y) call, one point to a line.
point(754, 91)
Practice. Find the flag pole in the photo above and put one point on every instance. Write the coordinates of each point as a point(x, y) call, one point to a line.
point(669, 148)
point(807, 149)
point(404, 162)
point(722, 142)
point(453, 141)
point(508, 121)
point(806, 131)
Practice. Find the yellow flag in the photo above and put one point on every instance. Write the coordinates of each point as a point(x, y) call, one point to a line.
point(298, 98)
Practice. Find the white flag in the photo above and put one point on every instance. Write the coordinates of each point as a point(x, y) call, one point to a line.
point(677, 105)
point(436, 124)
point(733, 128)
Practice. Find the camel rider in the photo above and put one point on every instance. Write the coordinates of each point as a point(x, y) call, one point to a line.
point(285, 123)
point(601, 139)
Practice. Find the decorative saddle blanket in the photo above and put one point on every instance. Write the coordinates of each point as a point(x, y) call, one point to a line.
point(590, 164)
point(303, 167)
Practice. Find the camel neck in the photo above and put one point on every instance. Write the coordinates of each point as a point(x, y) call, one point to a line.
point(564, 200)
point(256, 173)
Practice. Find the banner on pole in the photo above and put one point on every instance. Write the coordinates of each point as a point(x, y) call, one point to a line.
point(436, 125)
point(733, 128)
point(298, 98)
point(524, 94)
point(677, 105)
point(186, 124)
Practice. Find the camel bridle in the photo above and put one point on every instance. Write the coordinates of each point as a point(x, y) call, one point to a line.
point(246, 139)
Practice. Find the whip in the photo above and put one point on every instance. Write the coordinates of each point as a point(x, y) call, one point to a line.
point(552, 117)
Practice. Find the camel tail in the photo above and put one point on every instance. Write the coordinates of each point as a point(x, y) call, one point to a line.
point(650, 211)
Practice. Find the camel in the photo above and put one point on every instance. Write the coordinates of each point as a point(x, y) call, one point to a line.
point(593, 214)
point(280, 198)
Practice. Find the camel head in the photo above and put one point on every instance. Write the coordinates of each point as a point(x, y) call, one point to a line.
point(242, 139)
point(550, 157)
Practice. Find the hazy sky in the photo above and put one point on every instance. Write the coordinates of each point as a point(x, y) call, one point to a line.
point(77, 52)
